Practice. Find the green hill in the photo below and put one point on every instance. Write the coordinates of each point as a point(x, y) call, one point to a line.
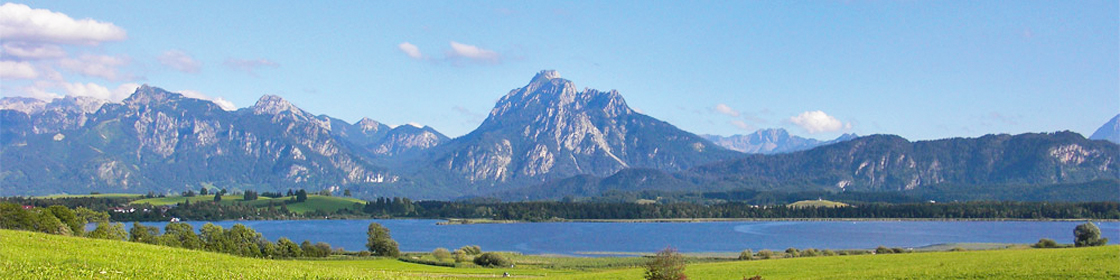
point(816, 203)
point(328, 204)
point(28, 255)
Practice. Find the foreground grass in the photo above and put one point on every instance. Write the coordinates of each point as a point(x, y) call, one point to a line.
point(1070, 263)
point(27, 255)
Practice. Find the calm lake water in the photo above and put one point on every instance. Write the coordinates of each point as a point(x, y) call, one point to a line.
point(581, 238)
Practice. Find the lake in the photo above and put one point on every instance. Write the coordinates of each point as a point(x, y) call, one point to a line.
point(584, 238)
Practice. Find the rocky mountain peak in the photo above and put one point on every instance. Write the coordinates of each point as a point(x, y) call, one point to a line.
point(367, 124)
point(77, 104)
point(149, 95)
point(1109, 131)
point(272, 105)
point(26, 105)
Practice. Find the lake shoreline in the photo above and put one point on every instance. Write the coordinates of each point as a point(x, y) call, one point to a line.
point(455, 221)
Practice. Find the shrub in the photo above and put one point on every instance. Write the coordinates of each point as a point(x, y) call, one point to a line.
point(792, 252)
point(666, 265)
point(828, 253)
point(883, 250)
point(746, 255)
point(441, 254)
point(1046, 243)
point(380, 242)
point(809, 253)
point(491, 259)
point(765, 254)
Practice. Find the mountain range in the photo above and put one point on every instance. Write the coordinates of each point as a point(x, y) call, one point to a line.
point(545, 140)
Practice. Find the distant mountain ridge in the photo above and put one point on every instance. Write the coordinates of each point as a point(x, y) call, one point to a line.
point(771, 141)
point(545, 140)
point(1110, 131)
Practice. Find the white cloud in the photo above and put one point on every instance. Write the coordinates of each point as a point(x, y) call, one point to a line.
point(221, 102)
point(21, 23)
point(742, 125)
point(726, 110)
point(89, 89)
point(818, 121)
point(179, 60)
point(102, 66)
point(17, 70)
point(472, 53)
point(33, 51)
point(249, 65)
point(411, 50)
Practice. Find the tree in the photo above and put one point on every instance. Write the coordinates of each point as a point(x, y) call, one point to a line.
point(347, 194)
point(288, 249)
point(143, 234)
point(111, 231)
point(792, 252)
point(183, 235)
point(441, 254)
point(218, 197)
point(68, 218)
point(491, 259)
point(250, 195)
point(666, 265)
point(202, 191)
point(301, 195)
point(765, 254)
point(460, 256)
point(380, 242)
point(1088, 234)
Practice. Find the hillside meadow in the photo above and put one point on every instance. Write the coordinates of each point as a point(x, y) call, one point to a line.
point(28, 255)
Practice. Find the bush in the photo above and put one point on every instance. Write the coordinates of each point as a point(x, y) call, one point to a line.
point(471, 250)
point(1088, 234)
point(883, 250)
point(491, 259)
point(828, 253)
point(460, 256)
point(666, 265)
point(765, 254)
point(792, 252)
point(809, 253)
point(1046, 243)
point(746, 255)
point(441, 254)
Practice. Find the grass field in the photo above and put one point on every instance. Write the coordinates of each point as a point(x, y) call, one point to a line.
point(27, 255)
point(816, 203)
point(329, 204)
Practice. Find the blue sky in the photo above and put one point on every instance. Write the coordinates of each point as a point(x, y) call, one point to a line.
point(919, 69)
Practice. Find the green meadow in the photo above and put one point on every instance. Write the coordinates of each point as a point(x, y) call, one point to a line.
point(29, 255)
point(328, 204)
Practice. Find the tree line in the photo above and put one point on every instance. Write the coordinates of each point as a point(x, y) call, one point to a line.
point(238, 240)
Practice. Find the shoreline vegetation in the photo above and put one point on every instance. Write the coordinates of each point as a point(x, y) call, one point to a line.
point(301, 205)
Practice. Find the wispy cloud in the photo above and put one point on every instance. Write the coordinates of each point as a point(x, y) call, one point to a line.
point(818, 121)
point(179, 60)
point(411, 50)
point(473, 53)
point(251, 65)
point(21, 23)
point(99, 91)
point(32, 51)
point(726, 110)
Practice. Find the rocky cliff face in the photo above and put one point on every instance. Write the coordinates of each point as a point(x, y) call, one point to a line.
point(549, 129)
point(771, 141)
